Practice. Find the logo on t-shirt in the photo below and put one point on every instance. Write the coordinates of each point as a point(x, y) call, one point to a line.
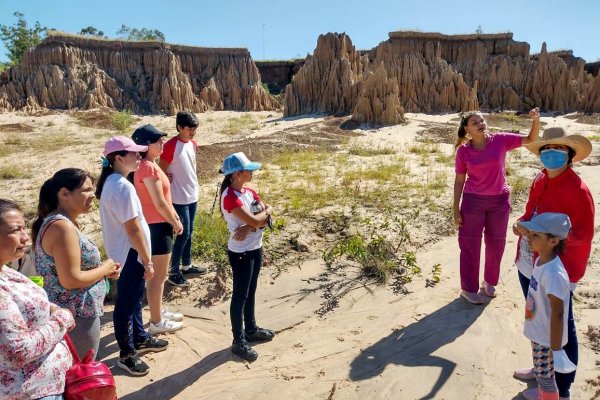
point(530, 308)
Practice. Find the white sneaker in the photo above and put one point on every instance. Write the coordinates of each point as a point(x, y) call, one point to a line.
point(172, 316)
point(164, 326)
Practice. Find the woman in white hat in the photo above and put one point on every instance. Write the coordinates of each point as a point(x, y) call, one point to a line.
point(557, 188)
point(245, 213)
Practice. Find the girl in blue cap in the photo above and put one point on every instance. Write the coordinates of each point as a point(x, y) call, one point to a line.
point(245, 214)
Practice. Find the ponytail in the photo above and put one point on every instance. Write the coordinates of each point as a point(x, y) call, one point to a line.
point(224, 185)
point(107, 170)
point(68, 178)
point(462, 132)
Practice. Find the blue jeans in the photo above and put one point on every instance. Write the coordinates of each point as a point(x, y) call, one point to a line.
point(182, 249)
point(245, 267)
point(127, 315)
point(563, 381)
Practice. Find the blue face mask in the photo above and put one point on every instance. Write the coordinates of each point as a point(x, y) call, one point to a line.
point(553, 159)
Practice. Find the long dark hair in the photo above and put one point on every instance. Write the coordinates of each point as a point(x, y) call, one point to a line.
point(6, 206)
point(224, 185)
point(462, 133)
point(68, 178)
point(107, 170)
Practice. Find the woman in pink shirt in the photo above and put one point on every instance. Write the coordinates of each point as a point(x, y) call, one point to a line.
point(33, 356)
point(480, 168)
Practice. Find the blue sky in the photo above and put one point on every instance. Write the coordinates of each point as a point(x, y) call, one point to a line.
point(288, 29)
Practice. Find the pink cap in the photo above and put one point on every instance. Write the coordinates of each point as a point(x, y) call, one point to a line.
point(120, 143)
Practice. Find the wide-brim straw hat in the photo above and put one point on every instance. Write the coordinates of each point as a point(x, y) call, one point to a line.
point(581, 145)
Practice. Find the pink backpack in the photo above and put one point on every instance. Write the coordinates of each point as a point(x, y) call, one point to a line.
point(87, 379)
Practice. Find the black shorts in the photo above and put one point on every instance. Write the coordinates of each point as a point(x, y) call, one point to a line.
point(161, 238)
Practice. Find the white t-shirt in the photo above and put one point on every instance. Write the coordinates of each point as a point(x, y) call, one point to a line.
point(230, 200)
point(550, 278)
point(118, 204)
point(181, 157)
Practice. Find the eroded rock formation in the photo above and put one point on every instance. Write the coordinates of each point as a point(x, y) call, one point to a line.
point(440, 73)
point(66, 72)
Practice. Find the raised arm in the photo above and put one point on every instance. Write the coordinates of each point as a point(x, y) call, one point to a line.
point(534, 132)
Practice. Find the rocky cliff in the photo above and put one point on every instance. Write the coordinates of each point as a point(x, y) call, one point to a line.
point(440, 73)
point(277, 74)
point(66, 72)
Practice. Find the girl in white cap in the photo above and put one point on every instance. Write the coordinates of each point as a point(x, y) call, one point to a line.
point(127, 241)
point(245, 214)
point(547, 303)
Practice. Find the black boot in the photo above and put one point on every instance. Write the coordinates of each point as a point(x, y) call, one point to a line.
point(259, 334)
point(241, 348)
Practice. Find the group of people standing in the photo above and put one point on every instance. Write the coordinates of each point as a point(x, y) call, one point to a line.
point(148, 194)
point(147, 211)
point(555, 237)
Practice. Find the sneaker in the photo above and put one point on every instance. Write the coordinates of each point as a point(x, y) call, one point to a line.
point(488, 290)
point(471, 297)
point(133, 365)
point(193, 270)
point(260, 334)
point(242, 349)
point(524, 374)
point(151, 345)
point(178, 280)
point(164, 326)
point(172, 316)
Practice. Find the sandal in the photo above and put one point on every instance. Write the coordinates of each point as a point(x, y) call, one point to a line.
point(488, 290)
point(471, 297)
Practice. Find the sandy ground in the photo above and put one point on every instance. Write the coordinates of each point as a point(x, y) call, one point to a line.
point(426, 343)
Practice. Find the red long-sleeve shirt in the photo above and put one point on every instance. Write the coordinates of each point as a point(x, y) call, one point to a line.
point(566, 194)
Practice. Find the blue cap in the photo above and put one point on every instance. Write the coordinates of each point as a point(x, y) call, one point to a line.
point(556, 224)
point(147, 134)
point(238, 162)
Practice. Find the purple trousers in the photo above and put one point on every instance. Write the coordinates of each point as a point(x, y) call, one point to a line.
point(487, 215)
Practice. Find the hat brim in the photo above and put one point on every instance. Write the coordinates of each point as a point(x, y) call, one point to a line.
point(137, 148)
point(580, 144)
point(532, 226)
point(253, 166)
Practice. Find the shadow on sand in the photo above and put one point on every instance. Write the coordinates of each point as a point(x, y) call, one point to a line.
point(414, 345)
point(171, 386)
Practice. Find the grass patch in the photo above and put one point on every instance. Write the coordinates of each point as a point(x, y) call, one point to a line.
point(209, 240)
point(594, 138)
point(60, 141)
point(239, 124)
point(121, 120)
point(12, 172)
point(367, 152)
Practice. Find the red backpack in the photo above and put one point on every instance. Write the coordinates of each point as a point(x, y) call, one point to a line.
point(87, 379)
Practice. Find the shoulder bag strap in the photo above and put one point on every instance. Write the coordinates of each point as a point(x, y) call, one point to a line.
point(72, 349)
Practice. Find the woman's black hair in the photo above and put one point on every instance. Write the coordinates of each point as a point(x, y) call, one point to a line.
point(570, 153)
point(224, 185)
point(68, 178)
point(462, 133)
point(107, 170)
point(6, 206)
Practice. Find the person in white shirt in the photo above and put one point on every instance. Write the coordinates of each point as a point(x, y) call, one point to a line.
point(178, 161)
point(127, 241)
point(245, 214)
point(548, 300)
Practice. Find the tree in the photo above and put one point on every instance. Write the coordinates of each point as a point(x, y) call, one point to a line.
point(140, 34)
point(91, 31)
point(18, 37)
point(479, 31)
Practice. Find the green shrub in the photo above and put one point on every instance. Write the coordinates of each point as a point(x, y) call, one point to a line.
point(121, 120)
point(209, 240)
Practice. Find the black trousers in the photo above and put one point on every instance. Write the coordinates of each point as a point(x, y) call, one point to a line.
point(245, 267)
